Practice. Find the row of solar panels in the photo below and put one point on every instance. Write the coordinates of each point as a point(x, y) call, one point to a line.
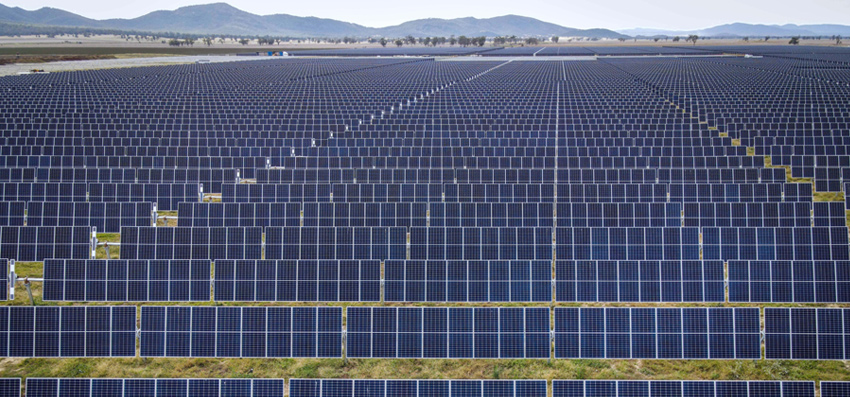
point(167, 196)
point(517, 193)
point(512, 175)
point(444, 281)
point(88, 387)
point(248, 164)
point(474, 243)
point(210, 178)
point(520, 175)
point(429, 332)
point(508, 214)
point(279, 150)
point(105, 217)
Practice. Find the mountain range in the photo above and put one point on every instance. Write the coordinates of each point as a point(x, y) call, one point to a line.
point(749, 30)
point(222, 18)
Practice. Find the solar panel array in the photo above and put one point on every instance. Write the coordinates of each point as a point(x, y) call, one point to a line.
point(67, 387)
point(454, 332)
point(658, 333)
point(106, 217)
point(122, 280)
point(625, 388)
point(416, 388)
point(413, 180)
point(68, 331)
point(199, 331)
point(806, 333)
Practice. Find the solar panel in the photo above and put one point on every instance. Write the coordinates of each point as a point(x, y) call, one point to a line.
point(12, 213)
point(4, 279)
point(197, 331)
point(681, 243)
point(126, 280)
point(691, 388)
point(106, 217)
point(467, 281)
point(399, 332)
point(805, 333)
point(298, 281)
point(416, 388)
point(639, 281)
point(68, 331)
point(191, 243)
point(167, 196)
point(658, 333)
point(35, 244)
point(82, 387)
point(51, 191)
point(789, 281)
point(834, 389)
point(10, 387)
point(238, 214)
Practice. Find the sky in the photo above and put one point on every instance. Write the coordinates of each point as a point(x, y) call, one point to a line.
point(584, 14)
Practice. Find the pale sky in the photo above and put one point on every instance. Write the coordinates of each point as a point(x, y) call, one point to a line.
point(612, 14)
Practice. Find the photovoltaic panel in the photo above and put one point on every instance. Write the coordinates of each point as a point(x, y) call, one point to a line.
point(167, 196)
point(191, 243)
point(232, 331)
point(298, 280)
point(677, 388)
point(35, 244)
point(49, 191)
point(10, 387)
point(438, 332)
point(4, 279)
point(82, 387)
point(789, 281)
point(363, 243)
point(657, 333)
point(68, 331)
point(467, 281)
point(627, 243)
point(806, 333)
point(639, 281)
point(238, 214)
point(834, 389)
point(416, 388)
point(12, 213)
point(799, 243)
point(120, 280)
point(106, 217)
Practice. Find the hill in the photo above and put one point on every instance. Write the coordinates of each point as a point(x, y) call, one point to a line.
point(222, 18)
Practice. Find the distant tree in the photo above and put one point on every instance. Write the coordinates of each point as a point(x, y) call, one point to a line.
point(693, 38)
point(175, 42)
point(532, 41)
point(452, 40)
point(208, 41)
point(746, 39)
point(189, 41)
point(794, 40)
point(410, 40)
point(244, 41)
point(766, 38)
point(555, 39)
point(426, 41)
point(676, 39)
point(464, 41)
point(837, 40)
point(399, 42)
point(622, 39)
point(383, 41)
point(656, 39)
point(480, 41)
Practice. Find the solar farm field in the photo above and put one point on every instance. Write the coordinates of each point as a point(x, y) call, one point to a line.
point(507, 222)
